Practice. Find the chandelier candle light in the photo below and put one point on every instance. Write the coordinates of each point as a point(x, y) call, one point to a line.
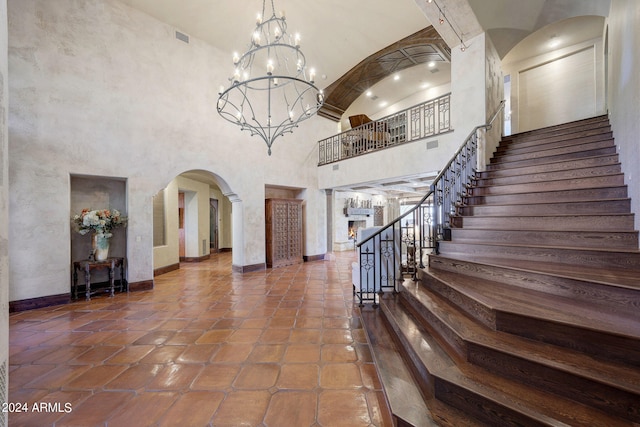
point(272, 73)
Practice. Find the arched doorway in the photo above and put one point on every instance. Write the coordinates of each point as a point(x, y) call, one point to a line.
point(192, 220)
point(213, 228)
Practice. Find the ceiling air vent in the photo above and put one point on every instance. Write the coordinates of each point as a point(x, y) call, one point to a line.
point(182, 37)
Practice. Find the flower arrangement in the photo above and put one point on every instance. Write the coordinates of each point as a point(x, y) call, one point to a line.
point(100, 221)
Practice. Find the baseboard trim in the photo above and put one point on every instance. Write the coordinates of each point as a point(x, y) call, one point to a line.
point(61, 299)
point(166, 269)
point(224, 250)
point(248, 268)
point(195, 259)
point(309, 258)
point(144, 285)
point(40, 302)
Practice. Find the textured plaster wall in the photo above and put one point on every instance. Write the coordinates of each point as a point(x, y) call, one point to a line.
point(469, 86)
point(624, 91)
point(495, 95)
point(169, 253)
point(4, 217)
point(520, 105)
point(100, 89)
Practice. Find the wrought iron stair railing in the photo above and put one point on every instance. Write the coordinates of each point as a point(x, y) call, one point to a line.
point(397, 250)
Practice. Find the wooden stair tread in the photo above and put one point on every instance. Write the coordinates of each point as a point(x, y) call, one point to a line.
point(577, 222)
point(548, 144)
point(601, 120)
point(552, 151)
point(557, 137)
point(543, 203)
point(616, 278)
point(581, 239)
point(531, 303)
point(558, 133)
point(511, 162)
point(544, 176)
point(580, 194)
point(604, 159)
point(539, 246)
point(401, 390)
point(571, 180)
point(544, 408)
point(551, 215)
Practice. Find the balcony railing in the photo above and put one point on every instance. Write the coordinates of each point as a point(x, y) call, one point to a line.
point(420, 121)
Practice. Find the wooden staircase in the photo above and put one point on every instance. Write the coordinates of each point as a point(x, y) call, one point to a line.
point(530, 315)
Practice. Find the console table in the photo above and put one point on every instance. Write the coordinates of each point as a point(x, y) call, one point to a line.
point(88, 266)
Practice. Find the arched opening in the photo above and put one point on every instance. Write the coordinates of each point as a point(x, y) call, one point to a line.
point(557, 74)
point(192, 217)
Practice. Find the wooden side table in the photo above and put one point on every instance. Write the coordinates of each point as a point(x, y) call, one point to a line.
point(88, 266)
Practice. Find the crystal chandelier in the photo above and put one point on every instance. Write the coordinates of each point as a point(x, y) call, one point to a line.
point(271, 90)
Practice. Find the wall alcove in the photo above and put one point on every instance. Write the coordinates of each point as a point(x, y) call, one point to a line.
point(97, 192)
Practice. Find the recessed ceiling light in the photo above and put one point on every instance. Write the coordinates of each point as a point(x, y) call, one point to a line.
point(396, 77)
point(431, 64)
point(424, 85)
point(383, 104)
point(369, 93)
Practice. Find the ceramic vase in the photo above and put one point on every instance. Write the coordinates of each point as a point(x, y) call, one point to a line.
point(100, 245)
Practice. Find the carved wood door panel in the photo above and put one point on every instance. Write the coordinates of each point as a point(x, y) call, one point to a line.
point(283, 219)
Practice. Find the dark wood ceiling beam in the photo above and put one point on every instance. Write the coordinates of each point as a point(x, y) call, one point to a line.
point(419, 48)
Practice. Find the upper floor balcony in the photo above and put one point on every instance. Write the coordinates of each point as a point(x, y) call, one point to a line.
point(366, 136)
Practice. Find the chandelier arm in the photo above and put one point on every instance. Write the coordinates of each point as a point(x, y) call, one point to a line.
point(306, 113)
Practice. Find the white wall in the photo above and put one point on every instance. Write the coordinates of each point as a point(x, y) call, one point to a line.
point(4, 218)
point(469, 86)
point(169, 253)
point(490, 139)
point(624, 91)
point(98, 88)
point(545, 90)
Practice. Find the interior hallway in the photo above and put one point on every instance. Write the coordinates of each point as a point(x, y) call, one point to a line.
point(281, 347)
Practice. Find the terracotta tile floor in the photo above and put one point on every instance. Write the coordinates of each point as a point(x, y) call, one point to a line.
point(281, 347)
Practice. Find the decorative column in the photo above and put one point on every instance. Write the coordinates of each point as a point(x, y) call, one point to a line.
point(329, 194)
point(237, 233)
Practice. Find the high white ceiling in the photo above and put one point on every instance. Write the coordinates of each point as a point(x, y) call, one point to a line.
point(335, 34)
point(338, 34)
